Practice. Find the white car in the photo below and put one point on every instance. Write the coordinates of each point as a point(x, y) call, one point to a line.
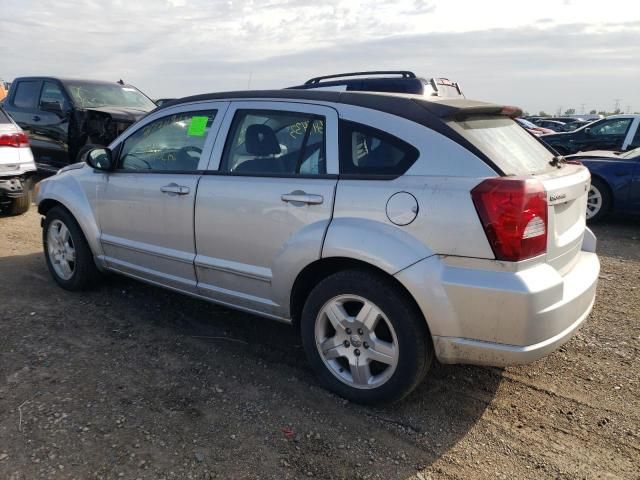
point(16, 167)
point(388, 228)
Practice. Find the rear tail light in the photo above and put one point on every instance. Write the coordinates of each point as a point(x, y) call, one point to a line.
point(17, 140)
point(513, 213)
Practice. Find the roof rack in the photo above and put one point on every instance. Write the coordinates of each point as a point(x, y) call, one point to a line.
point(403, 73)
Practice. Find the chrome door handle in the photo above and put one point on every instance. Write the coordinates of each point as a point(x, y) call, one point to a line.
point(175, 189)
point(302, 197)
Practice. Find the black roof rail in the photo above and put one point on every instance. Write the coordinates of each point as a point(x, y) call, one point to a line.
point(403, 73)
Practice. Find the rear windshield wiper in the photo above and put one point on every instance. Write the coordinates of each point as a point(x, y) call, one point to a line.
point(557, 161)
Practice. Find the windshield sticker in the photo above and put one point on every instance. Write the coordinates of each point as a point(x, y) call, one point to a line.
point(197, 127)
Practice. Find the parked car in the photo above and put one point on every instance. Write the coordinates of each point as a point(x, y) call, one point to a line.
point(615, 182)
point(391, 229)
point(161, 101)
point(553, 125)
point(63, 116)
point(532, 128)
point(576, 124)
point(16, 167)
point(615, 133)
point(390, 81)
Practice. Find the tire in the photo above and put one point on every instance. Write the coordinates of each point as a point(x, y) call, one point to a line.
point(598, 200)
point(399, 330)
point(20, 205)
point(82, 272)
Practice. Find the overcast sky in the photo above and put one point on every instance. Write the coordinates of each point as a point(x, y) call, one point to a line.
point(541, 54)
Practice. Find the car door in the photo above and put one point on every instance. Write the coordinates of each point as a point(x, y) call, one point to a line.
point(50, 129)
point(145, 207)
point(607, 134)
point(265, 203)
point(23, 108)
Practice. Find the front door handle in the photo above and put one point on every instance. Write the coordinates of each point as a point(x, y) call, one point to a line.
point(36, 118)
point(302, 197)
point(175, 189)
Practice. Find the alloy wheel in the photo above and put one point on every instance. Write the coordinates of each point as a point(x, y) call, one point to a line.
point(61, 250)
point(594, 202)
point(356, 341)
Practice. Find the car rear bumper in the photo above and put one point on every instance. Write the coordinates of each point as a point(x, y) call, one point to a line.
point(500, 318)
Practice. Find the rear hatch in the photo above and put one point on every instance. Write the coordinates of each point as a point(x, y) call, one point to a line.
point(516, 153)
point(9, 154)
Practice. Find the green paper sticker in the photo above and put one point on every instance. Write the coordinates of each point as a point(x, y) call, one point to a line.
point(198, 126)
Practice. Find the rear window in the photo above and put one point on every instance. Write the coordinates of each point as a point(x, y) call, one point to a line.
point(514, 150)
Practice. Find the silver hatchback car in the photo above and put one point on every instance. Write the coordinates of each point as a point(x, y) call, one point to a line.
point(388, 228)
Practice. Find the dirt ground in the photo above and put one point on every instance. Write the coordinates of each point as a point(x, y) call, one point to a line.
point(132, 381)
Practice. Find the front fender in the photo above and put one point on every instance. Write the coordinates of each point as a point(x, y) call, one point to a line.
point(386, 246)
point(66, 190)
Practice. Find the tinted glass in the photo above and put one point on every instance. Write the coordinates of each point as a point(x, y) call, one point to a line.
point(510, 147)
point(27, 94)
point(94, 95)
point(51, 96)
point(275, 142)
point(618, 126)
point(368, 151)
point(172, 143)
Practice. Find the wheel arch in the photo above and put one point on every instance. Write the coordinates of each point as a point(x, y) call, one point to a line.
point(320, 269)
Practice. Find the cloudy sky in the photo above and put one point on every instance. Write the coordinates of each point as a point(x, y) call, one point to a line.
point(542, 54)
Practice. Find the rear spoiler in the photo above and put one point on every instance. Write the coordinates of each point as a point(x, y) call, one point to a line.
point(460, 109)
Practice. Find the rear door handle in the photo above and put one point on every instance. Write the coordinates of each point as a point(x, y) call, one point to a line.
point(36, 118)
point(302, 197)
point(175, 189)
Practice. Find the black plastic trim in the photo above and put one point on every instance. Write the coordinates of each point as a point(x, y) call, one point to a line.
point(270, 175)
point(403, 73)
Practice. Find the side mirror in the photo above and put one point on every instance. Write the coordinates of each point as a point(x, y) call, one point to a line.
point(54, 107)
point(587, 132)
point(100, 159)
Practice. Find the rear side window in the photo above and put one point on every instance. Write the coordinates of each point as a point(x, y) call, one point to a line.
point(509, 146)
point(273, 142)
point(365, 150)
point(27, 94)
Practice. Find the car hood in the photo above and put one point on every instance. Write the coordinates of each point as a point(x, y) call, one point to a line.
point(121, 113)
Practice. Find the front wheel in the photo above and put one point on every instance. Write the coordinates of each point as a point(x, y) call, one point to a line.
point(68, 255)
point(365, 338)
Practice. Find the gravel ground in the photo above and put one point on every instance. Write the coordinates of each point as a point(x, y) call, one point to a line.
point(132, 381)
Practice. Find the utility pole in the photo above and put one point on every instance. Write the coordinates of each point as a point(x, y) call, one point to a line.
point(617, 107)
point(582, 109)
point(628, 108)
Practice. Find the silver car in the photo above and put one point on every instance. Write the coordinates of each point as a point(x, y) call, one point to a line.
point(387, 228)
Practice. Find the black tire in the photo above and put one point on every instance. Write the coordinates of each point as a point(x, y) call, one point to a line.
point(415, 350)
point(21, 204)
point(605, 195)
point(85, 273)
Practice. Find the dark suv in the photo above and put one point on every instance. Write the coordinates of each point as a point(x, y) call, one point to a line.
point(61, 116)
point(391, 81)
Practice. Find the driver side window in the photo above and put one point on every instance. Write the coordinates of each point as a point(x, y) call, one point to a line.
point(169, 144)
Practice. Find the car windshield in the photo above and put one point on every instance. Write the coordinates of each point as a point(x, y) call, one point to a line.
point(94, 95)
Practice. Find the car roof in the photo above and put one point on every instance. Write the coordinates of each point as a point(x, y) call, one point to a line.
point(409, 106)
point(71, 80)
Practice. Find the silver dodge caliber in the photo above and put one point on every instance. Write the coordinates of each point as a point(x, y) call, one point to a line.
point(389, 228)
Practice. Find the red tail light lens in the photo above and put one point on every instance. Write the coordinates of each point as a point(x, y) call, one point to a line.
point(17, 140)
point(513, 213)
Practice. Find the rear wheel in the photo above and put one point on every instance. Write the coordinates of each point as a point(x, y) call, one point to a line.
point(20, 205)
point(365, 338)
point(68, 255)
point(598, 200)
